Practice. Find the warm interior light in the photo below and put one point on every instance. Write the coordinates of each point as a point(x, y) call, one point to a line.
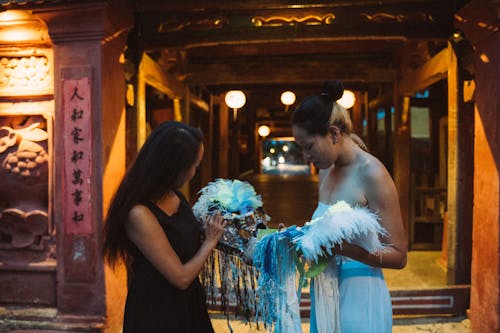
point(484, 58)
point(21, 26)
point(235, 99)
point(288, 98)
point(264, 131)
point(347, 100)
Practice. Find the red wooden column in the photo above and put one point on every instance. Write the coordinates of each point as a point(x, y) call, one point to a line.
point(88, 129)
point(479, 20)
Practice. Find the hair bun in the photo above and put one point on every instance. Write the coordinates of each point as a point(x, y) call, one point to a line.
point(333, 88)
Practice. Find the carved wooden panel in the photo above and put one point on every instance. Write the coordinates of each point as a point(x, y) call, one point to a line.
point(24, 163)
point(26, 73)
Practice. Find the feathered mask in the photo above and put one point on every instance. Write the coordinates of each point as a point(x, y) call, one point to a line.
point(240, 205)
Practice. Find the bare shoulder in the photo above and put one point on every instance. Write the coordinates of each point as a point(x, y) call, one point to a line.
point(138, 211)
point(377, 182)
point(372, 170)
point(138, 217)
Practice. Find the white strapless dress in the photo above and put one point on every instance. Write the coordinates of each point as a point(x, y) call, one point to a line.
point(365, 304)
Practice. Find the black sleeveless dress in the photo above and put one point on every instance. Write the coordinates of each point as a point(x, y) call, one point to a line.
point(153, 304)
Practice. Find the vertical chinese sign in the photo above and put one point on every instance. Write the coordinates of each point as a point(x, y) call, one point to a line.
point(77, 132)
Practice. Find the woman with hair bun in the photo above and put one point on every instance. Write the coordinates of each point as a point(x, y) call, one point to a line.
point(323, 128)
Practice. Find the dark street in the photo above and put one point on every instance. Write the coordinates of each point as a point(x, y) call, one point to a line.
point(288, 199)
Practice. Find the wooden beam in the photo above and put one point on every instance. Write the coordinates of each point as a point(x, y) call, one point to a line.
point(155, 41)
point(156, 77)
point(273, 71)
point(432, 71)
point(168, 27)
point(166, 83)
point(229, 5)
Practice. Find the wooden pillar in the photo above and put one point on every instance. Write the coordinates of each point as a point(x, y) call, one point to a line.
point(140, 120)
point(206, 172)
point(357, 113)
point(479, 20)
point(460, 185)
point(88, 41)
point(132, 57)
point(223, 139)
point(401, 171)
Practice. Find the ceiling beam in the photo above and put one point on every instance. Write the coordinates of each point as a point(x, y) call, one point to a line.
point(298, 71)
point(166, 83)
point(196, 5)
point(155, 41)
point(434, 70)
point(225, 27)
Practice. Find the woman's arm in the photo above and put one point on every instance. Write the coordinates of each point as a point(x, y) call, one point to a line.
point(382, 198)
point(146, 233)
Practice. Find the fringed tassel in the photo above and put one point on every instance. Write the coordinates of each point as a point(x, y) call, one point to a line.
point(230, 279)
point(278, 303)
point(230, 285)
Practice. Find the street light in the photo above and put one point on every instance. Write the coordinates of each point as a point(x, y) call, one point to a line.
point(235, 99)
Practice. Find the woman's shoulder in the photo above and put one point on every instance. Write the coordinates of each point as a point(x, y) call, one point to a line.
point(371, 169)
point(138, 212)
point(376, 180)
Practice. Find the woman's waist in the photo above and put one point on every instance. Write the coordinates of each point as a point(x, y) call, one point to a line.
point(351, 268)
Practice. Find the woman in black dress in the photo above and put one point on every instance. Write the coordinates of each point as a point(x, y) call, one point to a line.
point(150, 226)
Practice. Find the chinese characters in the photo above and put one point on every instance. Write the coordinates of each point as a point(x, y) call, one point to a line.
point(77, 148)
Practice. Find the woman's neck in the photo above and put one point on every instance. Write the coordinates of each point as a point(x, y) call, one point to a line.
point(169, 202)
point(349, 153)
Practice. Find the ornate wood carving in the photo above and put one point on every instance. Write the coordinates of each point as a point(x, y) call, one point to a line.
point(25, 56)
point(23, 182)
point(25, 75)
point(277, 21)
point(195, 25)
point(382, 17)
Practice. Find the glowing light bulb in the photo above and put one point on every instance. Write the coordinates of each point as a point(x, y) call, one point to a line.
point(264, 131)
point(288, 98)
point(235, 99)
point(347, 100)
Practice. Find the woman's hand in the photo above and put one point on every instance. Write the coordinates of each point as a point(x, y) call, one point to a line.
point(214, 228)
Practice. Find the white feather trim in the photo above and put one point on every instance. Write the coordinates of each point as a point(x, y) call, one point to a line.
point(341, 222)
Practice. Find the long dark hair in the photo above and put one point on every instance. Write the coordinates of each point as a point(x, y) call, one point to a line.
point(318, 112)
point(170, 150)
